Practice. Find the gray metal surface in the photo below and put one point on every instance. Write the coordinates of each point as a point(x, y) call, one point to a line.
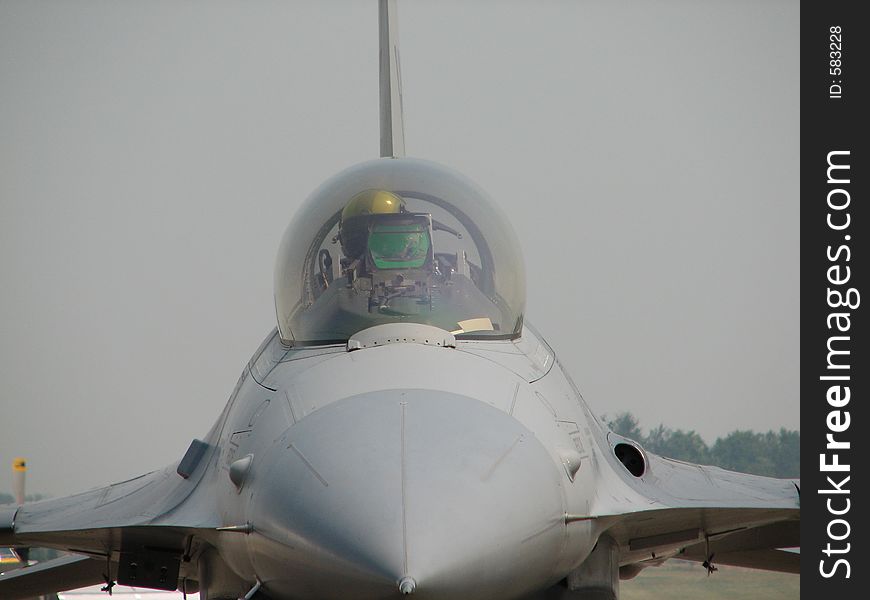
point(445, 465)
point(392, 122)
point(401, 333)
point(434, 480)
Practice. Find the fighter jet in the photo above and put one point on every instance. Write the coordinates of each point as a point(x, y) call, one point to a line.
point(403, 430)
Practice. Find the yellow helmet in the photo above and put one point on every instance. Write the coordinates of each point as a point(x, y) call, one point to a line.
point(353, 228)
point(372, 202)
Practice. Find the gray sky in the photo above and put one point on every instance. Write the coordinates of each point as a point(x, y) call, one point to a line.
point(151, 155)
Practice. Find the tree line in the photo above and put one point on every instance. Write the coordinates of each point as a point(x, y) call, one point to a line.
point(774, 454)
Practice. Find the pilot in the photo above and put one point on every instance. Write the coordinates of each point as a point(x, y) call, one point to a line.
point(353, 229)
point(388, 251)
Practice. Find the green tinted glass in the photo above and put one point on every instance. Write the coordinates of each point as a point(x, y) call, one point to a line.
point(399, 246)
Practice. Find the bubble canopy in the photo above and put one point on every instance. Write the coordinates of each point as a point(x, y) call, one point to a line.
point(398, 240)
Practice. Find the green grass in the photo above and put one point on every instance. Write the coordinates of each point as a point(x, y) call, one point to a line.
point(682, 579)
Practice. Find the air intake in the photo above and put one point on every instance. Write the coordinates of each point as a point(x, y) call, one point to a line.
point(631, 458)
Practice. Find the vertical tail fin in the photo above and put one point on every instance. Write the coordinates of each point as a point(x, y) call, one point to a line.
point(392, 122)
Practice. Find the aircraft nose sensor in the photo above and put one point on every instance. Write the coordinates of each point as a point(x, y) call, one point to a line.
point(407, 585)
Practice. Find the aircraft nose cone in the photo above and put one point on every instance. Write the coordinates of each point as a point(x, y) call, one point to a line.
point(407, 492)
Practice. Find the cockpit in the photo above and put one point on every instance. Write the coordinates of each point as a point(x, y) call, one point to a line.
point(398, 240)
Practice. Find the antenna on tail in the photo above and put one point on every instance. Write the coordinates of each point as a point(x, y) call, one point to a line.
point(392, 123)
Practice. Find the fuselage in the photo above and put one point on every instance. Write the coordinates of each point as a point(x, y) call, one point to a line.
point(450, 469)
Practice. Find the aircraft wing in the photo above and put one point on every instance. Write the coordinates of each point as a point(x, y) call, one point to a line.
point(756, 548)
point(66, 572)
point(144, 520)
point(690, 511)
point(92, 520)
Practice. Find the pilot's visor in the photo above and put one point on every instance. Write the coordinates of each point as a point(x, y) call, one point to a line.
point(399, 246)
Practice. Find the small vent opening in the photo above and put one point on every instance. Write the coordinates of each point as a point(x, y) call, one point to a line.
point(631, 457)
